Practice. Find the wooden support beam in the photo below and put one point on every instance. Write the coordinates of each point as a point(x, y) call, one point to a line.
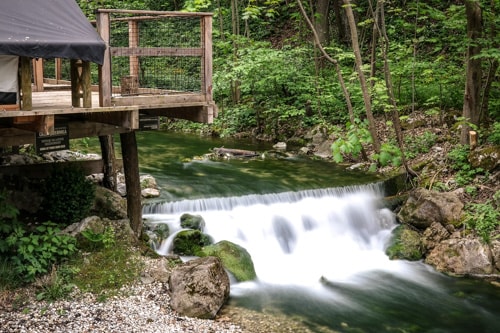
point(132, 181)
point(157, 51)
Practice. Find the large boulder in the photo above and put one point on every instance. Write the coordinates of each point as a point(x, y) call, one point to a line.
point(462, 256)
point(405, 244)
point(235, 259)
point(109, 204)
point(199, 288)
point(486, 158)
point(424, 207)
point(120, 229)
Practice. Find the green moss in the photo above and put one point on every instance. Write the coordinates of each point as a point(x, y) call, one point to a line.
point(106, 271)
point(190, 242)
point(234, 258)
point(405, 244)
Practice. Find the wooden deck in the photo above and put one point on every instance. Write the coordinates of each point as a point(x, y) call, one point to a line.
point(107, 108)
point(17, 127)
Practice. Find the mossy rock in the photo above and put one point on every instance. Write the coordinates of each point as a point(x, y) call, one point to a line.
point(189, 221)
point(190, 242)
point(235, 259)
point(405, 244)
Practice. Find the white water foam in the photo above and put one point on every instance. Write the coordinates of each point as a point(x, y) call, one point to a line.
point(297, 238)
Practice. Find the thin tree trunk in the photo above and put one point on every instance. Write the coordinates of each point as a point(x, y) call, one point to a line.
point(361, 74)
point(321, 22)
point(334, 61)
point(390, 89)
point(472, 94)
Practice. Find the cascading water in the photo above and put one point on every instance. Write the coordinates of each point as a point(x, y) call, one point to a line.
point(325, 248)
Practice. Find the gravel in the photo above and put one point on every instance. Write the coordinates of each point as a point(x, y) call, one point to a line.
point(139, 308)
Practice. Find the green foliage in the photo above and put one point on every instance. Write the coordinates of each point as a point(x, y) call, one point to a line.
point(483, 218)
point(98, 240)
point(494, 136)
point(67, 195)
point(459, 157)
point(33, 253)
point(357, 135)
point(56, 285)
point(419, 144)
point(390, 154)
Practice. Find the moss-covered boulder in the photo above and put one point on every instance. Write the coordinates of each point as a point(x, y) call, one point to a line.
point(405, 244)
point(190, 221)
point(190, 242)
point(235, 259)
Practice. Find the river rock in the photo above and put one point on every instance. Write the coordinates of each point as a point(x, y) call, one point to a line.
point(121, 228)
point(109, 204)
point(405, 244)
point(424, 207)
point(234, 258)
point(190, 221)
point(199, 288)
point(190, 242)
point(462, 256)
point(434, 235)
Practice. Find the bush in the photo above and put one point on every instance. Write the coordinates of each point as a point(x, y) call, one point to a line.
point(67, 195)
point(33, 253)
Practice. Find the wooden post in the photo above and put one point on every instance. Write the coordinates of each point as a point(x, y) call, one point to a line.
point(25, 83)
point(75, 83)
point(38, 74)
point(105, 82)
point(472, 140)
point(133, 41)
point(105, 85)
point(132, 181)
point(206, 39)
point(58, 69)
point(80, 84)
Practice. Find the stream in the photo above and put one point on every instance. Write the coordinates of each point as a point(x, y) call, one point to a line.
point(316, 234)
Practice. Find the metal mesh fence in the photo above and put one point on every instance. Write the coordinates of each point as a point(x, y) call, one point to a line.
point(156, 54)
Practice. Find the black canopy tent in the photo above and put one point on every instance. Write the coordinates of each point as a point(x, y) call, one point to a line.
point(48, 29)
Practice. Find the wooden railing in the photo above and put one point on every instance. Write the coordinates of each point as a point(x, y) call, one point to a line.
point(151, 64)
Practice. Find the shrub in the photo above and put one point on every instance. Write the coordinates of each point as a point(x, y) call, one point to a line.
point(67, 195)
point(35, 252)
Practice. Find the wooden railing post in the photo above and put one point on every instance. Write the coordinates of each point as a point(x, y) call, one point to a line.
point(206, 40)
point(105, 78)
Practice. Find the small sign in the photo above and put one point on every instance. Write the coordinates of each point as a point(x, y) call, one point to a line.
point(59, 140)
point(147, 122)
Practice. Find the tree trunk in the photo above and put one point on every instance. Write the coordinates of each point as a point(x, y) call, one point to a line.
point(132, 182)
point(337, 68)
point(472, 95)
point(342, 26)
point(321, 23)
point(380, 24)
point(361, 74)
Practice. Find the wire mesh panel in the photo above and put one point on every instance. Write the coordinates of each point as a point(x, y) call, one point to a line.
point(156, 54)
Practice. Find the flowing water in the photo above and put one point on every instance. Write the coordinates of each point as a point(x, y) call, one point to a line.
point(317, 236)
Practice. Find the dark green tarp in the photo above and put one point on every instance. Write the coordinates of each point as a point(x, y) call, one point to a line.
point(48, 29)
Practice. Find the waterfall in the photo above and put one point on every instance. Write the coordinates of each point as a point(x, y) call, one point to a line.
point(296, 237)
